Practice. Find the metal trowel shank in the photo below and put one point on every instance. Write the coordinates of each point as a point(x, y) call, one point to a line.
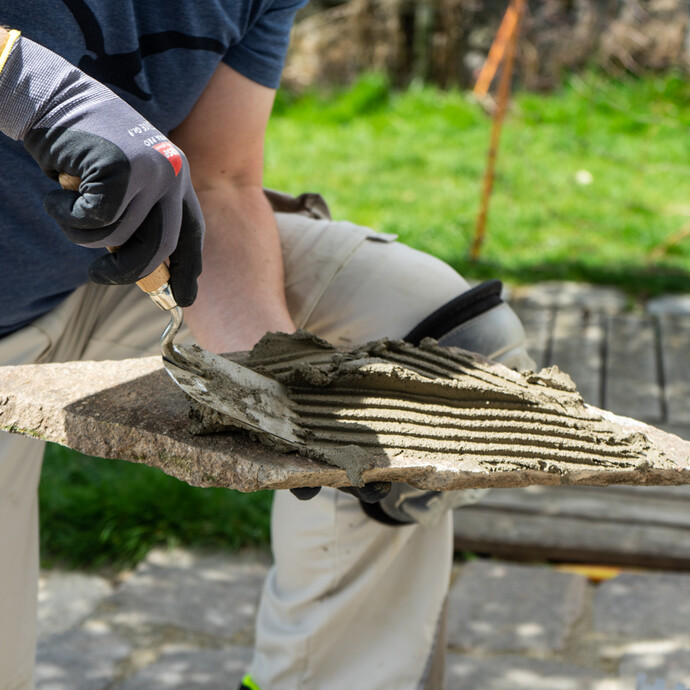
point(254, 401)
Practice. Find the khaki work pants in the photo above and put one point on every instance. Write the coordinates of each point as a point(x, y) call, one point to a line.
point(349, 602)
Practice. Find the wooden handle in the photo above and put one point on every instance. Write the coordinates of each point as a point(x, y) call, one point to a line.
point(150, 283)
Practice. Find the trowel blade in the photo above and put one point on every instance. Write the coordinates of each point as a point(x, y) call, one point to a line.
point(254, 401)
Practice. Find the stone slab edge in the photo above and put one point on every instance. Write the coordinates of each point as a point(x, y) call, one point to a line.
point(131, 410)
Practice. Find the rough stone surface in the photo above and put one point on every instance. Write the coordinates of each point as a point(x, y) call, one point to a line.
point(644, 606)
point(132, 410)
point(500, 607)
point(534, 428)
point(192, 669)
point(115, 648)
point(215, 595)
point(81, 659)
point(66, 598)
point(519, 673)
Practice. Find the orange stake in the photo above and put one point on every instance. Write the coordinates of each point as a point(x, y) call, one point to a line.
point(496, 52)
point(503, 97)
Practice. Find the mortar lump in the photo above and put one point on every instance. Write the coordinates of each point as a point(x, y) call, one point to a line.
point(389, 401)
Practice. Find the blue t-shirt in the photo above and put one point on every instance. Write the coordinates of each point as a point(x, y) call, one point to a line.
point(158, 55)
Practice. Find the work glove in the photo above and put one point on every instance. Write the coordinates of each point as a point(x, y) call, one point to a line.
point(372, 492)
point(135, 194)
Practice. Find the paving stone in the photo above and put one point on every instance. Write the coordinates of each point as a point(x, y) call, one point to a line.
point(192, 669)
point(644, 607)
point(501, 607)
point(132, 410)
point(80, 659)
point(670, 304)
point(214, 594)
point(65, 599)
point(566, 294)
point(518, 673)
point(662, 659)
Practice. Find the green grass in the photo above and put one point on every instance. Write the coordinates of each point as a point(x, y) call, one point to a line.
point(412, 163)
point(97, 513)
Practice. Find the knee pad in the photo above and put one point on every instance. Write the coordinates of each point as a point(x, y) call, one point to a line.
point(480, 321)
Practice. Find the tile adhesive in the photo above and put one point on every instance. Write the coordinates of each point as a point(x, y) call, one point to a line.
point(388, 399)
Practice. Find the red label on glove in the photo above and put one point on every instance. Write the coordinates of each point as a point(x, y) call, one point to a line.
point(171, 153)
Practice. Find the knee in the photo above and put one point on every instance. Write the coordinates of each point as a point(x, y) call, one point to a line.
point(480, 321)
point(497, 333)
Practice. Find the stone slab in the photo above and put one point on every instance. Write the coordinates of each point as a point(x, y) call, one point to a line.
point(505, 608)
point(80, 659)
point(192, 669)
point(215, 595)
point(132, 410)
point(521, 673)
point(643, 607)
point(67, 598)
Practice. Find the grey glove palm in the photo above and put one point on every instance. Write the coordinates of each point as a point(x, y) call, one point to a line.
point(136, 192)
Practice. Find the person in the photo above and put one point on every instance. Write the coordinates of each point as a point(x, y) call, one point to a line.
point(356, 596)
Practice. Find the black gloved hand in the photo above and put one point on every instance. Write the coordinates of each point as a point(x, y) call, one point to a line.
point(372, 492)
point(136, 192)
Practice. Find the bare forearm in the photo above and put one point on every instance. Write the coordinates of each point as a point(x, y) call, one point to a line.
point(241, 290)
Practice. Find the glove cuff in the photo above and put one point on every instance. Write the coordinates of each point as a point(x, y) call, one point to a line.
point(39, 86)
point(12, 38)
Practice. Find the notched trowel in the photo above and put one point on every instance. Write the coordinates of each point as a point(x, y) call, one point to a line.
point(256, 402)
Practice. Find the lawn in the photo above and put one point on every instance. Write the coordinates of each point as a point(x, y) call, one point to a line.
point(412, 163)
point(593, 183)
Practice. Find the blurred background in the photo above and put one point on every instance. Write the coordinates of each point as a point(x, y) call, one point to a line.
point(378, 112)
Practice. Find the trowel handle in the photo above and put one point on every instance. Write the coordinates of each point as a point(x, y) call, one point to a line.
point(153, 282)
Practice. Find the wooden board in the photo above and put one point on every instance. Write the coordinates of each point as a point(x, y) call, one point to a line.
point(577, 348)
point(634, 364)
point(675, 357)
point(632, 385)
point(641, 526)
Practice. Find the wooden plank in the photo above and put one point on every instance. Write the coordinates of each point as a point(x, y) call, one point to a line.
point(577, 348)
point(669, 493)
point(537, 323)
point(632, 385)
point(675, 357)
point(641, 505)
point(540, 537)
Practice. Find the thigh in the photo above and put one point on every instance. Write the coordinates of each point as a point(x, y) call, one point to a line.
point(350, 598)
point(384, 290)
point(111, 322)
point(95, 322)
point(350, 284)
point(20, 468)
